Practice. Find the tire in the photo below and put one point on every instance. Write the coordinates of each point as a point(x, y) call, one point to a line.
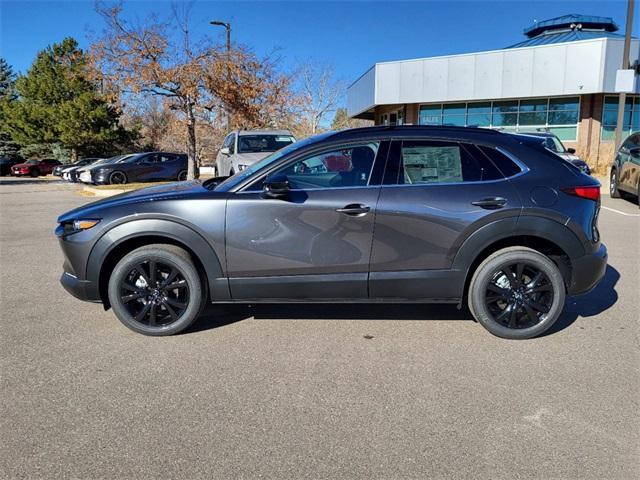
point(509, 308)
point(613, 184)
point(117, 178)
point(34, 173)
point(155, 305)
point(182, 175)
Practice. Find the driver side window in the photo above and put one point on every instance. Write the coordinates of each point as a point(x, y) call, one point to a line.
point(348, 166)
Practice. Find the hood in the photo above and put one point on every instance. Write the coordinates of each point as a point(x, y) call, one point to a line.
point(249, 158)
point(20, 165)
point(149, 194)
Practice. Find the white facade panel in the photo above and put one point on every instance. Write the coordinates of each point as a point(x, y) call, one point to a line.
point(580, 60)
point(388, 83)
point(461, 77)
point(411, 86)
point(517, 73)
point(572, 68)
point(613, 61)
point(362, 97)
point(486, 83)
point(436, 78)
point(549, 70)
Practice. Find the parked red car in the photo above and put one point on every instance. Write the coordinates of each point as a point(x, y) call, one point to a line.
point(35, 168)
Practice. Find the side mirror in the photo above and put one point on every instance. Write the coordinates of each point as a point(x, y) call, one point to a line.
point(571, 150)
point(225, 151)
point(276, 186)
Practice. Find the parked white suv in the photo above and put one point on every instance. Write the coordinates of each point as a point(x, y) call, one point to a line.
point(242, 148)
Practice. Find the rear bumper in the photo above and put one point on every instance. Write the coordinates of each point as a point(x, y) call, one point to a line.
point(587, 271)
point(81, 289)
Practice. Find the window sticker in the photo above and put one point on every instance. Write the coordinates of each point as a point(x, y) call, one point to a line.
point(432, 164)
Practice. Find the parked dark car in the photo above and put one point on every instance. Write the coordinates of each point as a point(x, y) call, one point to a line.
point(35, 168)
point(378, 214)
point(6, 163)
point(74, 174)
point(142, 167)
point(625, 172)
point(554, 144)
point(60, 169)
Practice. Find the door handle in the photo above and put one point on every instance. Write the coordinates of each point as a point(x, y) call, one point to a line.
point(490, 202)
point(354, 209)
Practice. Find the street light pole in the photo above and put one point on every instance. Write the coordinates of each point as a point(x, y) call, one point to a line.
point(625, 65)
point(227, 27)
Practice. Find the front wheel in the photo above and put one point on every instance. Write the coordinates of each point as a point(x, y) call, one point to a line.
point(117, 178)
point(156, 290)
point(613, 184)
point(182, 176)
point(35, 173)
point(517, 293)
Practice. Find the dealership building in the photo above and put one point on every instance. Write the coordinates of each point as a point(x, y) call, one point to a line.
point(561, 78)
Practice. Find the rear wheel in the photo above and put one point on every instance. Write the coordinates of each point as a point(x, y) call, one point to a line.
point(156, 290)
point(517, 293)
point(613, 184)
point(117, 178)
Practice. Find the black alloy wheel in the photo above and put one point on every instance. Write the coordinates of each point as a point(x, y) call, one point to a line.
point(182, 176)
point(157, 290)
point(519, 295)
point(154, 293)
point(117, 178)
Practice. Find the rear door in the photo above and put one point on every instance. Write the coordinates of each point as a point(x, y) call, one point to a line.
point(435, 194)
point(315, 243)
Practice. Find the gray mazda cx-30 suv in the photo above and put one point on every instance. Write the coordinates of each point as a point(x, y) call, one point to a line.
point(378, 214)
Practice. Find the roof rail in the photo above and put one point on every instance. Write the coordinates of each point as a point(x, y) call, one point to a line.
point(379, 128)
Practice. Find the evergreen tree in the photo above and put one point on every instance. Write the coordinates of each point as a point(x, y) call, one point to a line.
point(8, 148)
point(57, 104)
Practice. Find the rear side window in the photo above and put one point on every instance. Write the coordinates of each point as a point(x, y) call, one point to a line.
point(435, 161)
point(507, 166)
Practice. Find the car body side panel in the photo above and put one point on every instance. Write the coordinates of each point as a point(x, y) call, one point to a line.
point(300, 235)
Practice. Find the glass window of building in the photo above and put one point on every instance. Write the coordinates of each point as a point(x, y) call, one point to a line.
point(558, 115)
point(631, 119)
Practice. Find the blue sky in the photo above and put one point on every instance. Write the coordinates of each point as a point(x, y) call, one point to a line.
point(351, 36)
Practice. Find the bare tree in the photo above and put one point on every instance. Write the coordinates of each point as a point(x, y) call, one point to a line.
point(145, 59)
point(320, 93)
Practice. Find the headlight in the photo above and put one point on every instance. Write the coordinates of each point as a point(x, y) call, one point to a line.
point(76, 226)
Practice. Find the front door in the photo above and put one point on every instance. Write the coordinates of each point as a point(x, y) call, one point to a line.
point(435, 193)
point(315, 242)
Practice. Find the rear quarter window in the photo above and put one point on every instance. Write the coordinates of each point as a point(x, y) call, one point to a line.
point(507, 166)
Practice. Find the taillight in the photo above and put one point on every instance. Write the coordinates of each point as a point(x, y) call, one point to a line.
point(592, 192)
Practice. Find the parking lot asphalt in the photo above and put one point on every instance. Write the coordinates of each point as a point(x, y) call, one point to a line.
point(310, 391)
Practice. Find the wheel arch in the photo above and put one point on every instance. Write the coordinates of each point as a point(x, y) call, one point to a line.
point(546, 236)
point(128, 236)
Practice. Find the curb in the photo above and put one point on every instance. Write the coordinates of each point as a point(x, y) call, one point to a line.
point(103, 193)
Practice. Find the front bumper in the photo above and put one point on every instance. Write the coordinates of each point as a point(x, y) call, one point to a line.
point(81, 289)
point(587, 271)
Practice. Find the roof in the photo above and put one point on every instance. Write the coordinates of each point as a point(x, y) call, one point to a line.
point(263, 132)
point(568, 28)
point(565, 21)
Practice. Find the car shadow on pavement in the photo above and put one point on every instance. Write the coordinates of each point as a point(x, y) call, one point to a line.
point(215, 316)
point(601, 298)
point(220, 315)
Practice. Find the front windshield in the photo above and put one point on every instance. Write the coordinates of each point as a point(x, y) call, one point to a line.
point(263, 143)
point(555, 145)
point(33, 162)
point(239, 177)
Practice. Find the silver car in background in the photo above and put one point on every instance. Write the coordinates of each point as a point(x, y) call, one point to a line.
point(242, 148)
